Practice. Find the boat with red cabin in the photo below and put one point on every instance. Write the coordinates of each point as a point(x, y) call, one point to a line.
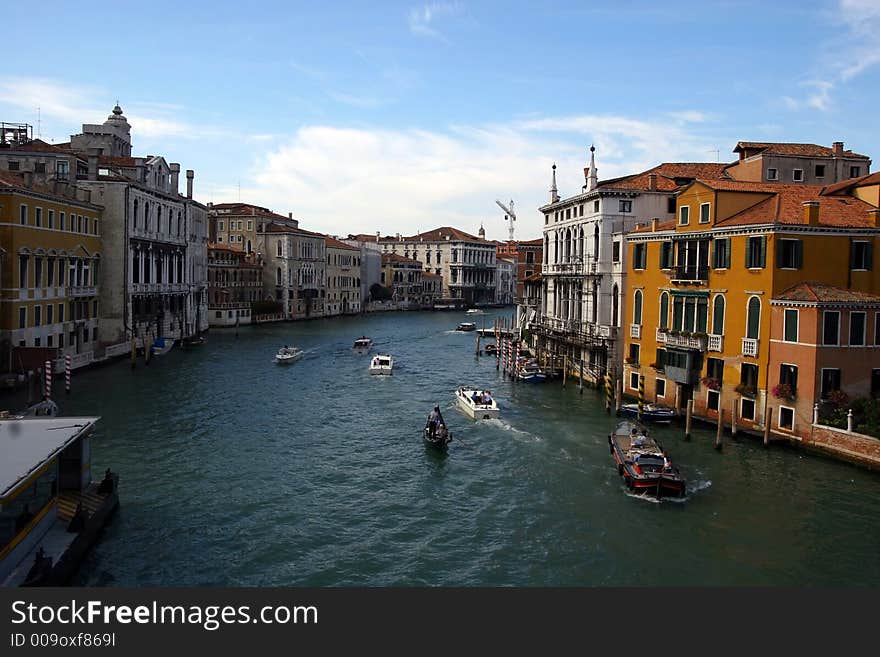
point(643, 463)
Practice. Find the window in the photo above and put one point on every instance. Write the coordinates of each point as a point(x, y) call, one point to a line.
point(22, 271)
point(660, 360)
point(615, 252)
point(877, 329)
point(797, 175)
point(819, 171)
point(13, 165)
point(38, 272)
point(595, 206)
point(670, 205)
point(634, 350)
point(790, 254)
point(60, 221)
point(664, 310)
point(79, 223)
point(857, 322)
point(38, 216)
point(615, 304)
point(62, 169)
point(747, 408)
point(49, 310)
point(830, 382)
point(756, 252)
point(60, 314)
point(666, 252)
point(855, 172)
point(753, 318)
point(250, 225)
point(38, 315)
point(22, 317)
point(830, 327)
point(860, 255)
point(715, 368)
point(712, 398)
point(684, 213)
point(749, 376)
point(625, 206)
point(788, 376)
point(637, 307)
point(220, 225)
point(721, 254)
point(705, 209)
point(640, 256)
point(634, 380)
point(38, 342)
point(790, 324)
point(875, 383)
point(772, 174)
point(22, 215)
point(660, 387)
point(786, 418)
point(278, 248)
point(51, 219)
point(718, 315)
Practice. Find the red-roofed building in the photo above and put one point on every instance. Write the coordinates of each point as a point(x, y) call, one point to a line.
point(796, 163)
point(528, 255)
point(235, 282)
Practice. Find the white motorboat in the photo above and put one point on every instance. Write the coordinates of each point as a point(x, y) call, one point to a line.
point(475, 311)
point(466, 326)
point(287, 355)
point(381, 364)
point(362, 344)
point(161, 346)
point(477, 404)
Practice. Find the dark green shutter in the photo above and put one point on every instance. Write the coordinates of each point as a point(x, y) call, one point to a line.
point(852, 255)
point(763, 256)
point(799, 254)
point(749, 242)
point(869, 247)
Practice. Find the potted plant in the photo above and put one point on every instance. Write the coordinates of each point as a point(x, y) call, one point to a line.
point(746, 390)
point(711, 382)
point(631, 361)
point(783, 391)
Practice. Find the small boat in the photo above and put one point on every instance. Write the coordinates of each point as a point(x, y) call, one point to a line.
point(531, 373)
point(475, 311)
point(363, 344)
point(491, 348)
point(45, 408)
point(193, 341)
point(161, 346)
point(287, 355)
point(490, 332)
point(381, 364)
point(477, 404)
point(650, 413)
point(642, 462)
point(436, 433)
point(466, 326)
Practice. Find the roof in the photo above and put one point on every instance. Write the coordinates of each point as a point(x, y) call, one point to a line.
point(245, 210)
point(815, 292)
point(539, 241)
point(287, 228)
point(29, 444)
point(786, 148)
point(363, 237)
point(669, 176)
point(16, 180)
point(785, 206)
point(646, 228)
point(40, 146)
point(394, 257)
point(336, 244)
point(844, 186)
point(118, 161)
point(440, 235)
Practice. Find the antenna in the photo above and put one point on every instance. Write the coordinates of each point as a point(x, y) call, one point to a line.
point(239, 191)
point(39, 125)
point(717, 154)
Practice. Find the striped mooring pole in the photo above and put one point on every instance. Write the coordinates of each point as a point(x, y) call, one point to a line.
point(67, 374)
point(641, 395)
point(48, 390)
point(516, 360)
point(609, 393)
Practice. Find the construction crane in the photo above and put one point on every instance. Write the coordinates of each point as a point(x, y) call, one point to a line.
point(509, 215)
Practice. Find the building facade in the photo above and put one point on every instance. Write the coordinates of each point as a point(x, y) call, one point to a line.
point(343, 285)
point(404, 277)
point(529, 256)
point(505, 280)
point(809, 164)
point(295, 277)
point(235, 282)
point(51, 257)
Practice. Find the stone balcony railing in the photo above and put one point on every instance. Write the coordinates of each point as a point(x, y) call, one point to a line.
point(82, 290)
point(750, 347)
point(691, 341)
point(716, 342)
point(589, 268)
point(635, 331)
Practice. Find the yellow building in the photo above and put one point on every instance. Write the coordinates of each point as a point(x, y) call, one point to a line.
point(698, 288)
point(50, 243)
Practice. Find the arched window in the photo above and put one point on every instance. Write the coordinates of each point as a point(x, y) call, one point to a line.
point(664, 310)
point(146, 215)
point(135, 213)
point(615, 303)
point(753, 323)
point(278, 276)
point(595, 309)
point(637, 307)
point(596, 243)
point(718, 315)
point(546, 249)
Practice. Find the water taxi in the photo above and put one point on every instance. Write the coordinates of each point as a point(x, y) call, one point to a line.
point(642, 462)
point(531, 373)
point(475, 311)
point(381, 364)
point(362, 344)
point(287, 355)
point(466, 326)
point(477, 404)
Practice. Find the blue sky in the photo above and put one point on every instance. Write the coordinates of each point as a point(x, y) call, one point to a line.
point(402, 116)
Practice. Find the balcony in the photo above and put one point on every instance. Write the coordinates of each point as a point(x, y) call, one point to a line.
point(635, 331)
point(716, 342)
point(690, 274)
point(695, 341)
point(590, 268)
point(750, 347)
point(82, 290)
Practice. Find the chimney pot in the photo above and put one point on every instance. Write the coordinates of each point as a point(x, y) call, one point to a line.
point(811, 213)
point(190, 174)
point(652, 181)
point(175, 177)
point(654, 223)
point(94, 154)
point(837, 149)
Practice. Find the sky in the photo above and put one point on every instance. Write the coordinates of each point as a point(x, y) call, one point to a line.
point(406, 116)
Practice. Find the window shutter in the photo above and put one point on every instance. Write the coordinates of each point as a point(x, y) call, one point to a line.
point(749, 246)
point(763, 257)
point(869, 248)
point(780, 253)
point(799, 254)
point(852, 255)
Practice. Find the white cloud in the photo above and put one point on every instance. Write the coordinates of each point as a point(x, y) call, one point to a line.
point(422, 21)
point(343, 180)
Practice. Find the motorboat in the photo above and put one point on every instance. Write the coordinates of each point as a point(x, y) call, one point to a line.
point(491, 348)
point(642, 461)
point(381, 364)
point(531, 373)
point(477, 404)
point(363, 344)
point(436, 433)
point(193, 341)
point(288, 354)
point(161, 346)
point(466, 326)
point(650, 412)
point(475, 311)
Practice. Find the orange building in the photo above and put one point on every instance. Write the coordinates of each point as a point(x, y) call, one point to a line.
point(528, 254)
point(699, 288)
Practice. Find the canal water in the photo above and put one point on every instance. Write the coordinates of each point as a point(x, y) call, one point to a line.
point(236, 471)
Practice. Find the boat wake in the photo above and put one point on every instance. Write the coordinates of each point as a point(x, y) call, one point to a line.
point(696, 487)
point(501, 424)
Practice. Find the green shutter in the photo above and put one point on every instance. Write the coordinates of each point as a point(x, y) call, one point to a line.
point(749, 243)
point(763, 256)
point(852, 255)
point(799, 254)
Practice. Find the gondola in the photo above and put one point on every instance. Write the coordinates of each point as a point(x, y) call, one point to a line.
point(440, 437)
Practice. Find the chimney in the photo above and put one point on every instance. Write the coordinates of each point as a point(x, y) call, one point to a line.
point(652, 182)
point(837, 149)
point(811, 213)
point(874, 217)
point(377, 237)
point(654, 223)
point(28, 177)
point(94, 154)
point(175, 178)
point(140, 166)
point(190, 174)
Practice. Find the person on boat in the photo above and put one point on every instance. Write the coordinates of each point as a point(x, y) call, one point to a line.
point(667, 464)
point(435, 421)
point(487, 398)
point(639, 440)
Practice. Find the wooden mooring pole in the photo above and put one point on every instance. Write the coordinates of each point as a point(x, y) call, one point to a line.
point(564, 368)
point(133, 352)
point(581, 377)
point(733, 417)
point(768, 414)
point(719, 433)
point(688, 418)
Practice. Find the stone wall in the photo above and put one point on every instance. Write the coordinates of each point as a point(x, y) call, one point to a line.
point(847, 445)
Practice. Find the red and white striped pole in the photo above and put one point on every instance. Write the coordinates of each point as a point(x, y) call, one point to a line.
point(48, 379)
point(67, 374)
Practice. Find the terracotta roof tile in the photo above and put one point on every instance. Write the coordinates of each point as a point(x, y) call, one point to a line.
point(813, 291)
point(646, 228)
point(670, 176)
point(439, 235)
point(394, 257)
point(845, 186)
point(785, 148)
point(336, 244)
